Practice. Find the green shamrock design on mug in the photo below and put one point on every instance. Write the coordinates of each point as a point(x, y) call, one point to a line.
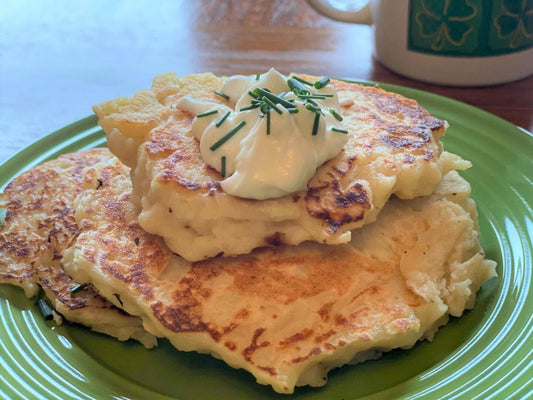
point(446, 22)
point(516, 21)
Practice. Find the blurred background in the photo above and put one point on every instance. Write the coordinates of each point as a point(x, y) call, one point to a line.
point(59, 57)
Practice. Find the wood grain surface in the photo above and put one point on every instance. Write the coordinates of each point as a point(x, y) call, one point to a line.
point(59, 57)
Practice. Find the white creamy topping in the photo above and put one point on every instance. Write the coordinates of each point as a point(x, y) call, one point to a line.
point(269, 154)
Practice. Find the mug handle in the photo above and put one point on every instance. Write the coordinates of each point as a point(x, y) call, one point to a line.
point(360, 16)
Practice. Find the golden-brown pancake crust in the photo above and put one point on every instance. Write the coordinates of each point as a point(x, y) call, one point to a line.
point(39, 225)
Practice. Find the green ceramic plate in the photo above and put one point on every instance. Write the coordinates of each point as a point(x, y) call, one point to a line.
point(488, 353)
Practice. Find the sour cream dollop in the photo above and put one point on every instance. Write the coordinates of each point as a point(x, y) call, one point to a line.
point(266, 151)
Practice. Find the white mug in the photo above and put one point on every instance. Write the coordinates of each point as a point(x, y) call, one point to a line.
point(450, 42)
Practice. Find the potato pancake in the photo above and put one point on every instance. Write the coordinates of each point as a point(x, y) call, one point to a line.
point(289, 314)
point(393, 148)
point(39, 225)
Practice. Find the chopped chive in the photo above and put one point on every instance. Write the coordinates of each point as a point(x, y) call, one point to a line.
point(313, 108)
point(337, 116)
point(205, 114)
point(318, 96)
point(250, 107)
point(221, 120)
point(293, 110)
point(297, 87)
point(268, 123)
point(223, 95)
point(223, 166)
point(322, 82)
point(38, 295)
point(315, 124)
point(45, 309)
point(335, 129)
point(272, 105)
point(252, 94)
point(257, 77)
point(76, 289)
point(227, 136)
point(275, 99)
point(310, 101)
point(302, 81)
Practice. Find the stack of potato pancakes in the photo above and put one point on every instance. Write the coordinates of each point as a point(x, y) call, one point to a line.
point(141, 242)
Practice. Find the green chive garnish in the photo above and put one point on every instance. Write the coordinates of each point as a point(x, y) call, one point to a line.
point(227, 136)
point(322, 82)
point(271, 104)
point(302, 81)
point(275, 99)
point(310, 101)
point(313, 108)
point(221, 120)
point(319, 96)
point(205, 114)
point(223, 95)
point(338, 130)
point(257, 77)
point(293, 110)
point(45, 309)
point(268, 123)
point(223, 166)
point(252, 94)
point(297, 87)
point(337, 116)
point(250, 107)
point(76, 289)
point(315, 124)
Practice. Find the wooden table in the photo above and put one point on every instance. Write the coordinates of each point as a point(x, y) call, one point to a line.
point(58, 58)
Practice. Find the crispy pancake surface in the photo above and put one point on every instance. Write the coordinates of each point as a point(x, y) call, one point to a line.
point(39, 225)
point(289, 314)
point(393, 148)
